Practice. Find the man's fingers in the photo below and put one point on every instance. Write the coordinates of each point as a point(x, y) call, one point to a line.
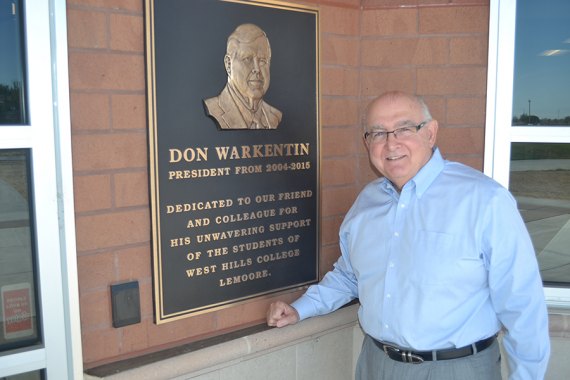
point(281, 314)
point(287, 320)
point(275, 313)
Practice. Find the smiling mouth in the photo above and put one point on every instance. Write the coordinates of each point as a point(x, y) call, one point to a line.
point(394, 158)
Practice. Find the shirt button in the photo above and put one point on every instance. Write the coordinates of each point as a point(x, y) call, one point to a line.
point(388, 295)
point(386, 326)
point(391, 265)
point(396, 234)
point(403, 205)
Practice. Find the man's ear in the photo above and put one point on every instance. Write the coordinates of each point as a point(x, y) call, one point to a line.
point(228, 64)
point(432, 130)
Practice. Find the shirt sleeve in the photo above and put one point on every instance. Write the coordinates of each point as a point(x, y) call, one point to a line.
point(516, 289)
point(337, 288)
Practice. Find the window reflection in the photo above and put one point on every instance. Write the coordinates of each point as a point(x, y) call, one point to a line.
point(541, 93)
point(19, 322)
point(540, 180)
point(12, 64)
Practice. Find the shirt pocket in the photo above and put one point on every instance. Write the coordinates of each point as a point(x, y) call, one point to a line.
point(438, 258)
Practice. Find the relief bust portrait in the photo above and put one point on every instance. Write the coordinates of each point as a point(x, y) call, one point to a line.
point(240, 105)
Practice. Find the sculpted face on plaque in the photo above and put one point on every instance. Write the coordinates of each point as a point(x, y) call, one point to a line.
point(240, 105)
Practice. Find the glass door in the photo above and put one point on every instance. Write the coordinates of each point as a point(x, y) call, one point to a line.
point(39, 333)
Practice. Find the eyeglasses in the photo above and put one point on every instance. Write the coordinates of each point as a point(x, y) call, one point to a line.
point(400, 133)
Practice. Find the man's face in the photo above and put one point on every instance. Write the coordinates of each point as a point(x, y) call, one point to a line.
point(400, 159)
point(249, 69)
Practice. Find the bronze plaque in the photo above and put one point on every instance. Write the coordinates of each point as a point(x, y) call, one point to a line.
point(233, 101)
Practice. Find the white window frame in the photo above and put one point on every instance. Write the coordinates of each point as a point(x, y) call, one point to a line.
point(49, 139)
point(499, 132)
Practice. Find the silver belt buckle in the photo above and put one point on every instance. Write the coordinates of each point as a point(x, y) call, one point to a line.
point(407, 356)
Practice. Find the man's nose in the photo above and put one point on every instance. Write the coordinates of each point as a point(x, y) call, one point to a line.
point(391, 139)
point(255, 65)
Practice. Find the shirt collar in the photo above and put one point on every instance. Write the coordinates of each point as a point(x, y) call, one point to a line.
point(424, 178)
point(427, 174)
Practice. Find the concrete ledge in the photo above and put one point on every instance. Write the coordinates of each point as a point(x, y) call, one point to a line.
point(559, 322)
point(228, 353)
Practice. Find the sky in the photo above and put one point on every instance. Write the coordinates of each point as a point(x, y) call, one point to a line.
point(10, 65)
point(542, 59)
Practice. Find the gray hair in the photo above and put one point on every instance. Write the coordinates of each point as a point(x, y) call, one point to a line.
point(424, 107)
point(394, 94)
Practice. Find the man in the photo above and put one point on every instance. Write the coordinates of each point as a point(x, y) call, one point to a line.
point(440, 259)
point(240, 104)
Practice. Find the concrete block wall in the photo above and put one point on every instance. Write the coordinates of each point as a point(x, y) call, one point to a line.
point(107, 89)
point(340, 48)
point(108, 117)
point(436, 48)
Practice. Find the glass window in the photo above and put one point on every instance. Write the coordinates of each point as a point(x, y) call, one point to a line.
point(541, 93)
point(527, 134)
point(38, 272)
point(35, 375)
point(539, 167)
point(540, 180)
point(12, 68)
point(19, 322)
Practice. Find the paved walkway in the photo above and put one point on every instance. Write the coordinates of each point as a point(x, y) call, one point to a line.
point(548, 222)
point(523, 165)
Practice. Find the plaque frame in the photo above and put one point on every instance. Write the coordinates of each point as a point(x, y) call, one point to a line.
point(289, 159)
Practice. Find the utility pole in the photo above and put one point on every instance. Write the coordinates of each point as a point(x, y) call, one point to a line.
point(529, 111)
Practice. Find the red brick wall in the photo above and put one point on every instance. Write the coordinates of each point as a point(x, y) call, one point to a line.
point(436, 48)
point(340, 94)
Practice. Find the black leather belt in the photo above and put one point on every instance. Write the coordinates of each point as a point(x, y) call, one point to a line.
point(416, 357)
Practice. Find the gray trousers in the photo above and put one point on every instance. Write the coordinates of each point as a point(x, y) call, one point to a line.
point(374, 364)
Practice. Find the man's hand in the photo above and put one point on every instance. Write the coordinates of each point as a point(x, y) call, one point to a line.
point(281, 314)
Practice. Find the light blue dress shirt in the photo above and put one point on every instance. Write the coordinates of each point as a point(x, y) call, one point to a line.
point(445, 263)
